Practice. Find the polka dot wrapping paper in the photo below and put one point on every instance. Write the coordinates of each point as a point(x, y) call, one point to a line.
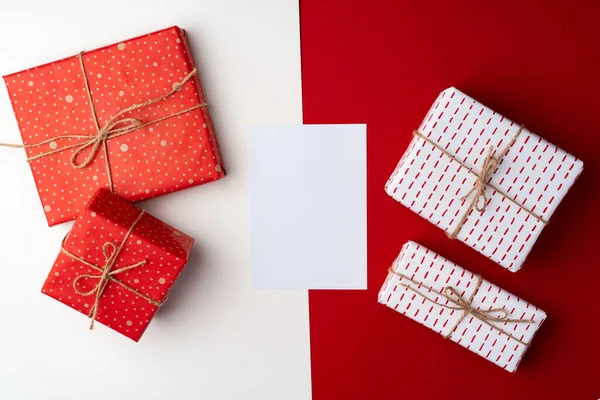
point(416, 286)
point(51, 102)
point(155, 251)
point(437, 173)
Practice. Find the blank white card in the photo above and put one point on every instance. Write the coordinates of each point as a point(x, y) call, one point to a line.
point(308, 207)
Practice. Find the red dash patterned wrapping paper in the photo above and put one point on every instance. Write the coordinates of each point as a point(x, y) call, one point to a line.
point(51, 100)
point(428, 268)
point(535, 174)
point(162, 249)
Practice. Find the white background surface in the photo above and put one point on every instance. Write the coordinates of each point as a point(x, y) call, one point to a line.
point(215, 338)
point(308, 206)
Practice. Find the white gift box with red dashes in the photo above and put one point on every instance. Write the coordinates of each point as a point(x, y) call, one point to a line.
point(416, 294)
point(532, 177)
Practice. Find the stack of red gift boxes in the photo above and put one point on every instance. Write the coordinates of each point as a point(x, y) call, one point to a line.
point(104, 128)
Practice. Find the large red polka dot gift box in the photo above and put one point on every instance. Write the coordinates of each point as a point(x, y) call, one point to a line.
point(117, 264)
point(482, 178)
point(131, 117)
point(461, 306)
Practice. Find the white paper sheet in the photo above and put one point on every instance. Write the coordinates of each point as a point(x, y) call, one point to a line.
point(308, 207)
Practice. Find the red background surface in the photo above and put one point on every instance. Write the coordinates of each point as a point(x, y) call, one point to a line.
point(383, 63)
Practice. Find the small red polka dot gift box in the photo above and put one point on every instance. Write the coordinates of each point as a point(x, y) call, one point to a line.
point(460, 306)
point(131, 117)
point(117, 264)
point(483, 179)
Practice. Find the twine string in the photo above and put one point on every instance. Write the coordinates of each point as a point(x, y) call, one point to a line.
point(487, 169)
point(118, 125)
point(459, 302)
point(107, 273)
point(479, 199)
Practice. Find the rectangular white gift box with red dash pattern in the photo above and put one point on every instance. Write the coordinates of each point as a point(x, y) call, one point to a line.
point(416, 285)
point(441, 164)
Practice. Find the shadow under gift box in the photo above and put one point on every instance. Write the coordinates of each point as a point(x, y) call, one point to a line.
point(491, 322)
point(119, 259)
point(437, 177)
point(171, 147)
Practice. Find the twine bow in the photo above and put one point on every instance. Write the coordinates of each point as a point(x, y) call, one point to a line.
point(112, 128)
point(487, 169)
point(480, 200)
point(107, 273)
point(117, 125)
point(465, 305)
